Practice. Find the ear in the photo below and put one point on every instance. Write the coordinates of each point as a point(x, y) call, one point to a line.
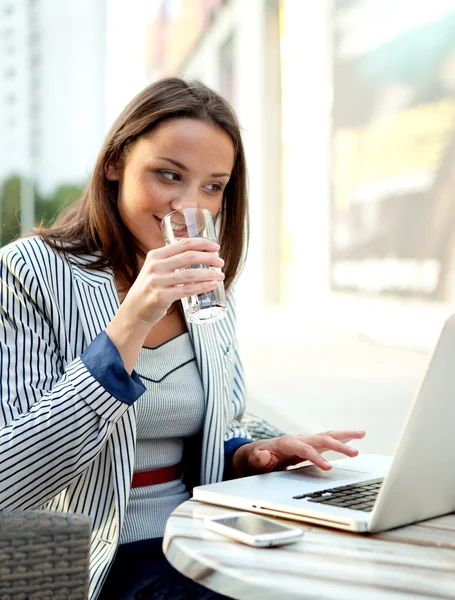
point(112, 173)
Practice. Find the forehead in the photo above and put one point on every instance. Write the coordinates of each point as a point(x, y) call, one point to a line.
point(188, 139)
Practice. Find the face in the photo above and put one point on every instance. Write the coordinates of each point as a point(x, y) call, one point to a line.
point(181, 163)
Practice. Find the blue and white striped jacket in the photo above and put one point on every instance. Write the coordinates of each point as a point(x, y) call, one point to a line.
point(66, 443)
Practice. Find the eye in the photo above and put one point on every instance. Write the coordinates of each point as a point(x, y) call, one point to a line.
point(215, 188)
point(169, 175)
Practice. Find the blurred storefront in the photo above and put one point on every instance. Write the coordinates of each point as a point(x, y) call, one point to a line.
point(393, 152)
point(393, 227)
point(348, 110)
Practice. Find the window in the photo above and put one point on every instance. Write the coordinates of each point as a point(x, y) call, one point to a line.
point(35, 59)
point(226, 69)
point(34, 38)
point(34, 148)
point(34, 81)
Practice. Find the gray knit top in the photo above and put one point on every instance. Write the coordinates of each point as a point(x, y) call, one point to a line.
point(171, 409)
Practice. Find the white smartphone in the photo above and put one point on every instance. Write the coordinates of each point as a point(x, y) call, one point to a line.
point(253, 530)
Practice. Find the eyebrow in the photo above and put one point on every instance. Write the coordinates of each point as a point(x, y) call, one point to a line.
point(181, 166)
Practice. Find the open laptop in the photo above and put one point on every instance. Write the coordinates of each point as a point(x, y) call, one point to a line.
point(371, 492)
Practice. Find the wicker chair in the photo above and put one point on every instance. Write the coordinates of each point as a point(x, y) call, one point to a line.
point(259, 429)
point(45, 555)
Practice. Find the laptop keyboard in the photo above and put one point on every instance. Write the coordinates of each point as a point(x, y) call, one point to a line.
point(358, 496)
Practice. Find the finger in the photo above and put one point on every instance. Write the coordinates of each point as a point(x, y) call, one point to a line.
point(188, 277)
point(290, 445)
point(192, 289)
point(260, 459)
point(189, 258)
point(346, 435)
point(325, 442)
point(198, 244)
point(309, 453)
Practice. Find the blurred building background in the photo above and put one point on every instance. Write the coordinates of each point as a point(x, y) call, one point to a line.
point(52, 86)
point(53, 71)
point(348, 116)
point(348, 112)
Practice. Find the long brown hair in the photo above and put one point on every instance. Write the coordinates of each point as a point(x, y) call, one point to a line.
point(93, 224)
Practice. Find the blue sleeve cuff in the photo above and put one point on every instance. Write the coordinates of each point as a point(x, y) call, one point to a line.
point(104, 362)
point(229, 449)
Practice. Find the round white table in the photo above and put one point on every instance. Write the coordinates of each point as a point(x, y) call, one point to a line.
point(417, 561)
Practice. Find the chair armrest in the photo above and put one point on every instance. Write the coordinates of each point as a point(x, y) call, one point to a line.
point(44, 555)
point(258, 428)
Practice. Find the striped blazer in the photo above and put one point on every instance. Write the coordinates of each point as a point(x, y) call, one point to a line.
point(66, 443)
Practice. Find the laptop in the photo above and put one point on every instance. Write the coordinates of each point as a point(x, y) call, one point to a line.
point(369, 493)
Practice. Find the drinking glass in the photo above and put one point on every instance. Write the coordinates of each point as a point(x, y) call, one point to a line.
point(189, 223)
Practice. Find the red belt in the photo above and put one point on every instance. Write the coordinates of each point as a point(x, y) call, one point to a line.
point(156, 476)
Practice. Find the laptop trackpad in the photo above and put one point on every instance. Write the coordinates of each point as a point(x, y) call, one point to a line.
point(350, 469)
point(315, 475)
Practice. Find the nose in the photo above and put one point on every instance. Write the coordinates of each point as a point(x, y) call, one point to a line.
point(188, 199)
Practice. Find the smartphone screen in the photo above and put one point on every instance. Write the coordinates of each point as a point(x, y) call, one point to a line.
point(252, 525)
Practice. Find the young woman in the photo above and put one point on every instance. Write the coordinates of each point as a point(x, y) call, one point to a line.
point(112, 404)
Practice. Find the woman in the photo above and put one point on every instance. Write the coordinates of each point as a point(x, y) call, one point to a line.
point(112, 404)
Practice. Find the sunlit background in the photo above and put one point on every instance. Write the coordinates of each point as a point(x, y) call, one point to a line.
point(348, 116)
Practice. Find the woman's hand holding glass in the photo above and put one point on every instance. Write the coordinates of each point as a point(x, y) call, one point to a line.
point(263, 456)
point(164, 278)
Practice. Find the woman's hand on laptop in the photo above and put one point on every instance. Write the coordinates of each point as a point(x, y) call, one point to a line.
point(266, 455)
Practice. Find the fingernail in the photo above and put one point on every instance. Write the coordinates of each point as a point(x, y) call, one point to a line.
point(326, 464)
